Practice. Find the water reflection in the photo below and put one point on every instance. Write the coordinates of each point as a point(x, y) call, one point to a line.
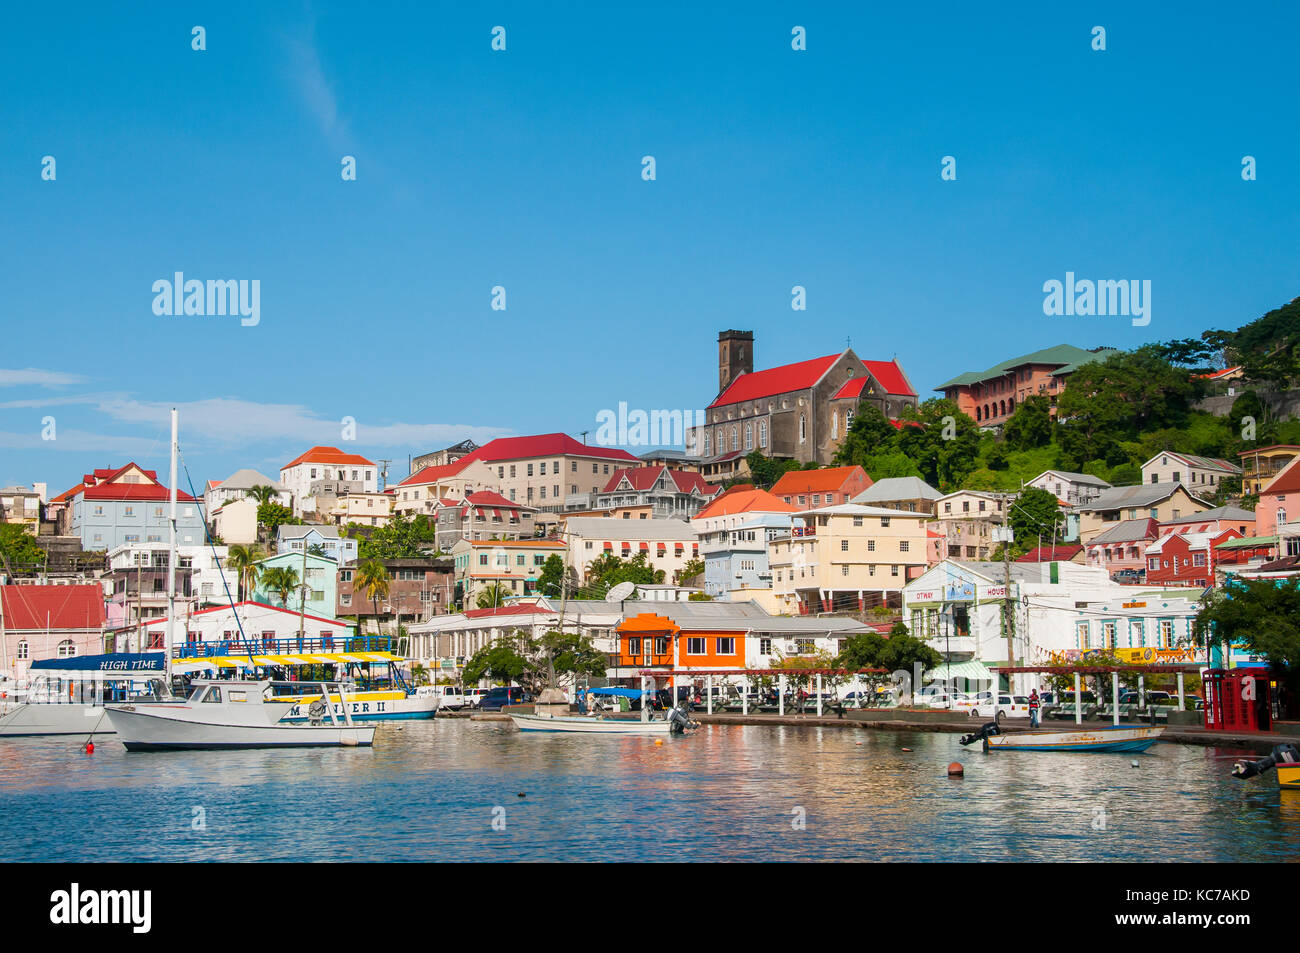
point(428, 792)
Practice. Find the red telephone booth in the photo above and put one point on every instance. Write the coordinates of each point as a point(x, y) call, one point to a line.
point(1237, 699)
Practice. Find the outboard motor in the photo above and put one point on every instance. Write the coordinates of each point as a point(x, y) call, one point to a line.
point(991, 728)
point(679, 722)
point(1282, 754)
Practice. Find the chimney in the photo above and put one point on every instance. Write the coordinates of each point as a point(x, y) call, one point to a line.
point(735, 356)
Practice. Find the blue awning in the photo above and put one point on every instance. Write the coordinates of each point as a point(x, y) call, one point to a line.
point(125, 663)
point(618, 690)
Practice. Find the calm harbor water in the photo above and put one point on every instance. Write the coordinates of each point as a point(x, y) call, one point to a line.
point(431, 791)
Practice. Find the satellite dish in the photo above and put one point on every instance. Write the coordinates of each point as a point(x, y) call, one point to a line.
point(621, 592)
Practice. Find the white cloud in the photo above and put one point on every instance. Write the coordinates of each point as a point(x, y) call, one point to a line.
point(33, 376)
point(315, 88)
point(231, 421)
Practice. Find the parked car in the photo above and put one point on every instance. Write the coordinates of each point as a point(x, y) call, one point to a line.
point(496, 698)
point(1152, 698)
point(942, 699)
point(450, 697)
point(1006, 706)
point(474, 695)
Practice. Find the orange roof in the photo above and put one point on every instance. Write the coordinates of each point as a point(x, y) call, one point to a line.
point(328, 455)
point(744, 501)
point(816, 481)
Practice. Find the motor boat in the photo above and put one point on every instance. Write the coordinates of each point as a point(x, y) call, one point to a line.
point(232, 713)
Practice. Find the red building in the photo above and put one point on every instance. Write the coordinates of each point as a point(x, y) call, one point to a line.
point(1185, 559)
point(825, 487)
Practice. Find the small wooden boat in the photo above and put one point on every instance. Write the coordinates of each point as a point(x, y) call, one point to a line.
point(1125, 739)
point(675, 722)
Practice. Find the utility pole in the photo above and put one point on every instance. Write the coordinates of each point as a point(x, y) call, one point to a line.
point(383, 473)
point(1008, 617)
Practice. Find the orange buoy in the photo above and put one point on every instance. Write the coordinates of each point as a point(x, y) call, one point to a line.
point(90, 747)
point(659, 741)
point(955, 770)
point(907, 749)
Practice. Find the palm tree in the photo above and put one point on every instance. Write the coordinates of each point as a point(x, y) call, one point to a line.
point(492, 596)
point(262, 493)
point(372, 576)
point(244, 561)
point(281, 580)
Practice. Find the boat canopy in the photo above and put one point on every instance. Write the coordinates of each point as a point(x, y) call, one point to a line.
point(213, 662)
point(116, 663)
point(620, 691)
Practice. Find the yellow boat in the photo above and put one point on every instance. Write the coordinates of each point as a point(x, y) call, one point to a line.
point(1285, 759)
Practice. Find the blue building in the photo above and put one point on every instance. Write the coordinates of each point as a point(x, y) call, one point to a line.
point(298, 539)
point(739, 559)
point(127, 506)
point(321, 574)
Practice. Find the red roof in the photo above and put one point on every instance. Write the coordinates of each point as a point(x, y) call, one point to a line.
point(542, 445)
point(804, 374)
point(133, 491)
point(1288, 481)
point(54, 607)
point(492, 498)
point(1049, 554)
point(643, 478)
point(103, 476)
point(436, 474)
point(328, 455)
point(776, 380)
point(817, 481)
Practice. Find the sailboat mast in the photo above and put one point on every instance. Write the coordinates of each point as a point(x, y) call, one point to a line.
point(171, 567)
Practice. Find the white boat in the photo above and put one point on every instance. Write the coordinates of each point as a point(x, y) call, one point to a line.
point(1126, 739)
point(674, 722)
point(231, 713)
point(375, 705)
point(67, 696)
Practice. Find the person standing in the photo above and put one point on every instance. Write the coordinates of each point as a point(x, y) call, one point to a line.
point(1033, 708)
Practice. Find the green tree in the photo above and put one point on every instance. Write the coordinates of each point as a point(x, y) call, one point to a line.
point(890, 463)
point(1261, 614)
point(372, 578)
point(551, 580)
point(765, 471)
point(273, 515)
point(244, 561)
point(870, 434)
point(499, 661)
point(262, 493)
point(946, 445)
point(897, 652)
point(18, 549)
point(403, 538)
point(1268, 349)
point(492, 596)
point(281, 580)
point(608, 570)
point(1035, 514)
point(1031, 425)
point(694, 567)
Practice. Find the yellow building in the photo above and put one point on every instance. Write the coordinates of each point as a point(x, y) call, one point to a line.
point(847, 557)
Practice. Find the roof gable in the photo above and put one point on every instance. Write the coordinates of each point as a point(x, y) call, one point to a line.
point(776, 380)
point(328, 456)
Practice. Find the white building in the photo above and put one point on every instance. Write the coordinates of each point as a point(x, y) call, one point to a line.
point(669, 544)
point(235, 522)
point(1059, 611)
point(349, 470)
point(236, 487)
point(1073, 488)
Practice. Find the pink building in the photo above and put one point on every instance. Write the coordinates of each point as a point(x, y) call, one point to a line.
point(1123, 547)
point(1279, 501)
point(991, 396)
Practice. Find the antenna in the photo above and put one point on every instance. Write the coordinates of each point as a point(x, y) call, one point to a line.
point(584, 437)
point(383, 471)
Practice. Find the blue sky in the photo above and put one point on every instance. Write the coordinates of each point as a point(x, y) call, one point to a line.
point(522, 169)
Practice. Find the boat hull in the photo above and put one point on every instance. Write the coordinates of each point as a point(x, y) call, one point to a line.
point(154, 731)
point(370, 706)
point(1288, 776)
point(1100, 739)
point(591, 726)
point(25, 719)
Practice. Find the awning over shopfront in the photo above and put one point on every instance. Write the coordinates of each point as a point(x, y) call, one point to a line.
point(972, 671)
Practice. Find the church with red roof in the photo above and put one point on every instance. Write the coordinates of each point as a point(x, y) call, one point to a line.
point(798, 411)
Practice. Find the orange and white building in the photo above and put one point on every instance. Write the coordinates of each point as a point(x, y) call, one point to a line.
point(350, 471)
